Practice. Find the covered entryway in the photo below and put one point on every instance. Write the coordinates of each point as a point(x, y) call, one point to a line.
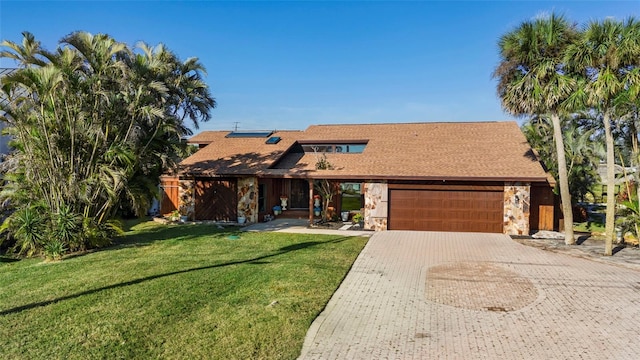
point(216, 199)
point(467, 210)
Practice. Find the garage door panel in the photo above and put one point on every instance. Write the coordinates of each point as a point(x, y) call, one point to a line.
point(427, 214)
point(446, 210)
point(406, 213)
point(424, 223)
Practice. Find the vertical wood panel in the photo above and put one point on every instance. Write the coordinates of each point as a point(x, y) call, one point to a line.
point(542, 216)
point(170, 193)
point(216, 199)
point(546, 217)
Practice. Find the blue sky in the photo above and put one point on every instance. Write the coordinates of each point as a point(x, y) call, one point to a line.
point(286, 65)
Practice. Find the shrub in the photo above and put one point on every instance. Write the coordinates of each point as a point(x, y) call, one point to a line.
point(54, 249)
point(26, 226)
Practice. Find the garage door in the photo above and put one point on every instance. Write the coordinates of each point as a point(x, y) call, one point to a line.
point(446, 210)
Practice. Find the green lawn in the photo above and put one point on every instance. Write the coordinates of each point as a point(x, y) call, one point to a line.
point(180, 291)
point(590, 227)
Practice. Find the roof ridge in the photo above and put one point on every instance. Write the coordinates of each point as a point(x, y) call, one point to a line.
point(418, 123)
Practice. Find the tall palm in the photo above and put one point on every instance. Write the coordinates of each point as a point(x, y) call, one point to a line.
point(628, 104)
point(583, 155)
point(27, 54)
point(532, 81)
point(582, 151)
point(606, 54)
point(96, 124)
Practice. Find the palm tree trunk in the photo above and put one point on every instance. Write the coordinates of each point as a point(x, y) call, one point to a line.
point(565, 195)
point(611, 196)
point(635, 157)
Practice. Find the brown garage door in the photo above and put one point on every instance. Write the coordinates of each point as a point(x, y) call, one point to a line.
point(446, 210)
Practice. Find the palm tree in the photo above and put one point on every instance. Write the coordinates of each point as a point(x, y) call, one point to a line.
point(582, 151)
point(95, 125)
point(532, 81)
point(607, 54)
point(27, 54)
point(583, 155)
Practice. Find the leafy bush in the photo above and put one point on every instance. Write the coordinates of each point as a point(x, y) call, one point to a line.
point(358, 218)
point(26, 226)
point(54, 249)
point(629, 217)
point(65, 229)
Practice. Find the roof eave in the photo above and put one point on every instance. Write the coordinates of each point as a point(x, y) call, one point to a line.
point(431, 178)
point(315, 175)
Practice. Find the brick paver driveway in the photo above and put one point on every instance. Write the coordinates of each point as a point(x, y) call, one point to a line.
point(430, 295)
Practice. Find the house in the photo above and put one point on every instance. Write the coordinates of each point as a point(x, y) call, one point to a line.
point(475, 176)
point(624, 176)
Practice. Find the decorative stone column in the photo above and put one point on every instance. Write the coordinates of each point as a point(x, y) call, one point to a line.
point(517, 200)
point(186, 200)
point(248, 198)
point(376, 200)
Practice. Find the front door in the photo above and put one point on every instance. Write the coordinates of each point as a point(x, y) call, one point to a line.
point(299, 197)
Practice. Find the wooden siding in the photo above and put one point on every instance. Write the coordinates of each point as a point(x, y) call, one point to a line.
point(170, 187)
point(216, 199)
point(542, 216)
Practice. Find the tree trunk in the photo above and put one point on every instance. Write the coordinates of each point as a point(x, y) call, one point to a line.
point(565, 195)
point(635, 159)
point(611, 196)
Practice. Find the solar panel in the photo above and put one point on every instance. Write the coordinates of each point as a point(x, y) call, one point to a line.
point(249, 134)
point(273, 140)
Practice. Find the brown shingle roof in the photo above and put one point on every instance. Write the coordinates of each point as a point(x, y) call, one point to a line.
point(456, 151)
point(231, 156)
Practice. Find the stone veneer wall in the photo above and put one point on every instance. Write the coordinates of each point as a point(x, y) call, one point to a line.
point(248, 198)
point(186, 197)
point(517, 198)
point(376, 199)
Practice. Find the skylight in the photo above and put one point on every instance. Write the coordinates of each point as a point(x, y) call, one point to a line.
point(273, 140)
point(249, 134)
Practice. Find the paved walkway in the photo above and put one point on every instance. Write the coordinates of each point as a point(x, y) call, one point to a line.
point(300, 226)
point(430, 295)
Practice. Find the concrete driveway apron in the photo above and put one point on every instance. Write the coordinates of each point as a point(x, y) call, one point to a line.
point(435, 295)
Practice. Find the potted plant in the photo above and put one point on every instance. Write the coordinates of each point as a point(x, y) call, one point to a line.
point(241, 218)
point(358, 218)
point(277, 210)
point(317, 210)
point(184, 213)
point(283, 201)
point(175, 215)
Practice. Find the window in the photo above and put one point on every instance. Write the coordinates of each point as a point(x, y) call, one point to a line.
point(351, 198)
point(262, 200)
point(322, 148)
point(356, 148)
point(337, 148)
